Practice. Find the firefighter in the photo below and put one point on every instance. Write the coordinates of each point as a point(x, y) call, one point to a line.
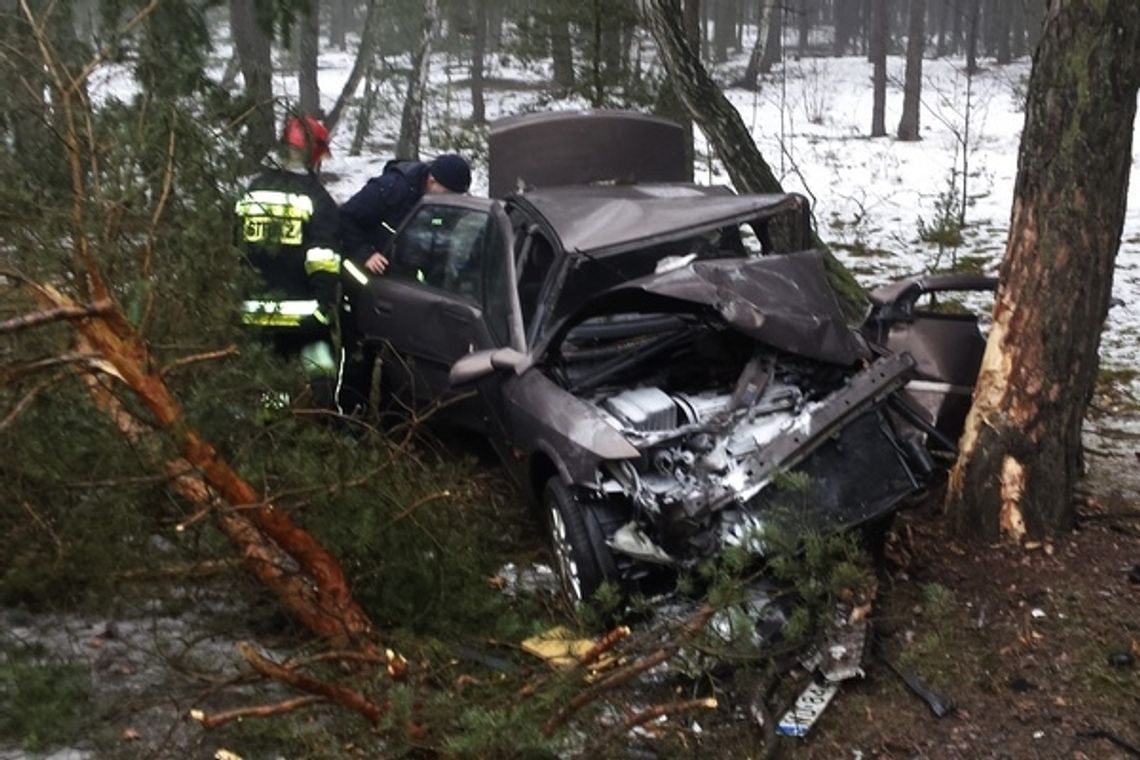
point(289, 233)
point(371, 217)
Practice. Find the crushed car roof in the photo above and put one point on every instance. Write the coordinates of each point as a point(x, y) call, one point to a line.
point(607, 218)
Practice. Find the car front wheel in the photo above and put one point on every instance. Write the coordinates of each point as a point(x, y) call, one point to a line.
point(583, 559)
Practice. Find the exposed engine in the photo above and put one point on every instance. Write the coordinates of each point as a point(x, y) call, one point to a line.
point(708, 457)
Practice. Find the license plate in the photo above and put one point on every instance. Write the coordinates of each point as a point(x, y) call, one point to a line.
point(807, 709)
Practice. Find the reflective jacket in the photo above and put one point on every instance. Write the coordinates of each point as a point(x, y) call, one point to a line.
point(289, 232)
point(370, 218)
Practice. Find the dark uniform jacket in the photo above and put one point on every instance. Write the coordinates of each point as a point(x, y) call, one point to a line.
point(289, 232)
point(370, 218)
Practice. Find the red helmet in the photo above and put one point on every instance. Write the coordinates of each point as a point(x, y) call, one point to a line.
point(307, 134)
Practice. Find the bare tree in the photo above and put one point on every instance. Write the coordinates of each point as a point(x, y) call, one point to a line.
point(411, 121)
point(912, 90)
point(1021, 448)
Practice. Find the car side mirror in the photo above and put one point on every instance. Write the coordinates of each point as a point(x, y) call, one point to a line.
point(478, 365)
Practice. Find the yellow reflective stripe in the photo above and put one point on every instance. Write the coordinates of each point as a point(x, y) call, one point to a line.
point(297, 308)
point(321, 260)
point(355, 273)
point(271, 320)
point(275, 203)
point(280, 313)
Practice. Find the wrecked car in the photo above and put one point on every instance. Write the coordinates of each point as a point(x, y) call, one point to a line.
point(647, 358)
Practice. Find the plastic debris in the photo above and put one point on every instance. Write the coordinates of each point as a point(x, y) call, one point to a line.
point(938, 704)
point(537, 578)
point(559, 648)
point(1121, 659)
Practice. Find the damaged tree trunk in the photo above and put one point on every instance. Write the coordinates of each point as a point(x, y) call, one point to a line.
point(1020, 453)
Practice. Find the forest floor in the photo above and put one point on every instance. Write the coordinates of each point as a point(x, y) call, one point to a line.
point(1037, 646)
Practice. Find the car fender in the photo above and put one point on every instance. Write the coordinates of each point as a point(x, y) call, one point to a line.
point(575, 435)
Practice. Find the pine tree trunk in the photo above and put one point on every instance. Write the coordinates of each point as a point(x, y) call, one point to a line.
point(1003, 22)
point(803, 23)
point(252, 45)
point(1021, 449)
point(879, 59)
point(912, 91)
point(411, 120)
point(310, 93)
point(846, 26)
point(764, 13)
point(973, 19)
point(340, 16)
point(478, 51)
point(561, 52)
point(774, 44)
point(722, 30)
point(712, 111)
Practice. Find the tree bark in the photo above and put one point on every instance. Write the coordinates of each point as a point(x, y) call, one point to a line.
point(340, 16)
point(411, 120)
point(764, 17)
point(973, 19)
point(1002, 23)
point(1021, 448)
point(310, 43)
point(708, 106)
point(878, 54)
point(803, 24)
point(561, 51)
point(722, 30)
point(912, 90)
point(251, 42)
point(478, 53)
point(846, 26)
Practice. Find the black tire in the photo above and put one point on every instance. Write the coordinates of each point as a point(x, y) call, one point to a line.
point(582, 559)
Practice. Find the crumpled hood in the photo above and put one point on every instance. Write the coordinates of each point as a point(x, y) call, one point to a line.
point(784, 301)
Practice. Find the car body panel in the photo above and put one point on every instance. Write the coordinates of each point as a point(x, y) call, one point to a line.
point(581, 147)
point(783, 301)
point(682, 350)
point(947, 347)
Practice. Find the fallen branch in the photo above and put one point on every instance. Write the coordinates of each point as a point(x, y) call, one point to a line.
point(209, 356)
point(257, 711)
point(57, 314)
point(341, 695)
point(623, 675)
point(604, 644)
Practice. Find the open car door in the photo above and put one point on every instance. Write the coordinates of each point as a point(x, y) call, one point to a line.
point(448, 291)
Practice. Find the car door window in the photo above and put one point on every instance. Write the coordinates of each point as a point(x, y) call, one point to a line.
point(461, 251)
point(444, 247)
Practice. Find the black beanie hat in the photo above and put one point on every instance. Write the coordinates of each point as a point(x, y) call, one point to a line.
point(451, 171)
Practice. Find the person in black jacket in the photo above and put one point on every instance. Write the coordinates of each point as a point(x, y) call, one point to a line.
point(289, 230)
point(370, 218)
